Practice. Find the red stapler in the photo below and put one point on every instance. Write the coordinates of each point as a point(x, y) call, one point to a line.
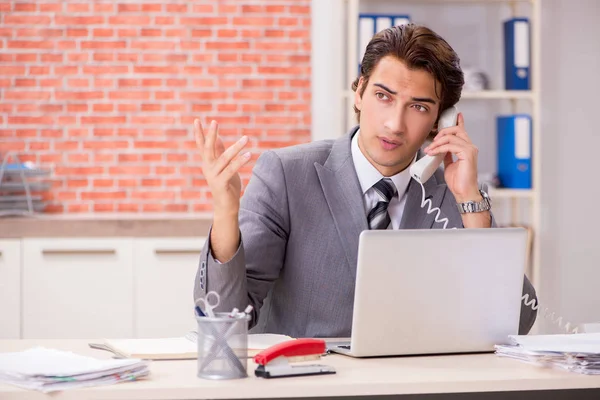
point(274, 362)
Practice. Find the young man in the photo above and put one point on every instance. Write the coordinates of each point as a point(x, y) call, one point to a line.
point(295, 232)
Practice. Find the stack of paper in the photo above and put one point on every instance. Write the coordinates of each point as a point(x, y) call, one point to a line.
point(48, 370)
point(579, 352)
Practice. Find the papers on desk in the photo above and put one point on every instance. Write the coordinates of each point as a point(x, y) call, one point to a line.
point(179, 348)
point(578, 352)
point(49, 370)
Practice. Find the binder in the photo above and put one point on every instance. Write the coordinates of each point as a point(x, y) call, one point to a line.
point(514, 151)
point(370, 24)
point(517, 54)
point(383, 22)
point(366, 30)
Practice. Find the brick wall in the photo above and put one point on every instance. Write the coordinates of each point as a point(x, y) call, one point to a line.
point(105, 93)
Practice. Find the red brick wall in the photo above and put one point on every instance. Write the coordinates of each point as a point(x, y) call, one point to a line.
point(105, 93)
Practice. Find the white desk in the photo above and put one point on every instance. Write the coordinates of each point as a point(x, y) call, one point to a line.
point(478, 376)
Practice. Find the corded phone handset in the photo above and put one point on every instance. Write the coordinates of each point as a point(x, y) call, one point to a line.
point(424, 168)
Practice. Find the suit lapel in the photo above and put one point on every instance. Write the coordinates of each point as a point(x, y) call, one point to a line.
point(343, 194)
point(415, 216)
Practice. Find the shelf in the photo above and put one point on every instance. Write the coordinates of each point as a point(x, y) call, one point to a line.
point(499, 193)
point(20, 186)
point(481, 95)
point(498, 94)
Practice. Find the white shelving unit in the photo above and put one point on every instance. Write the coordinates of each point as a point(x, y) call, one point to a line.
point(350, 11)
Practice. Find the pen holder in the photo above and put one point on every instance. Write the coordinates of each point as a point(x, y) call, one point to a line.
point(222, 346)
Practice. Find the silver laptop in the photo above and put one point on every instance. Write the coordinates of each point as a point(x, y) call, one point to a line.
point(436, 291)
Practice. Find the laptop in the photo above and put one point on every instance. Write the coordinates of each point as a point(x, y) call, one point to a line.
point(436, 291)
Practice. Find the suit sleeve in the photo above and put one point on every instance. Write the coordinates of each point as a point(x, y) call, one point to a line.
point(264, 227)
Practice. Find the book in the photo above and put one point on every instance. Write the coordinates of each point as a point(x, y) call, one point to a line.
point(178, 348)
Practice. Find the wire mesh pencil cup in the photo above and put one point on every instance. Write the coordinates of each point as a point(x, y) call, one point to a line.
point(222, 346)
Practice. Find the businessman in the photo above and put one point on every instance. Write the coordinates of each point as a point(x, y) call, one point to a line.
point(294, 234)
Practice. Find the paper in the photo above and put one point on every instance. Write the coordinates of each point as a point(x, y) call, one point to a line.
point(579, 352)
point(49, 370)
point(172, 348)
point(183, 347)
point(567, 343)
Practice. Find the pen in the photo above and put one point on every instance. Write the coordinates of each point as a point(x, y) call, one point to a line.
point(233, 313)
point(199, 312)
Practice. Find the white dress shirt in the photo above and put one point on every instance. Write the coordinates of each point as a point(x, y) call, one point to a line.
point(368, 176)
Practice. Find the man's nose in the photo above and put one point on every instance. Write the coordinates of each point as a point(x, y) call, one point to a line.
point(395, 122)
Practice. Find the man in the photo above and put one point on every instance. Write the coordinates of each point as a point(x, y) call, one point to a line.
point(294, 235)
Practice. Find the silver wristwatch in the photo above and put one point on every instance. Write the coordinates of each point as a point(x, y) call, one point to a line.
point(475, 206)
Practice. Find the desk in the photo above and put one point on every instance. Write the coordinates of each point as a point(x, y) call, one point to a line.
point(480, 376)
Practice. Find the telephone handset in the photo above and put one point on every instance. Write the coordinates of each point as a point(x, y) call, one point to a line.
point(424, 168)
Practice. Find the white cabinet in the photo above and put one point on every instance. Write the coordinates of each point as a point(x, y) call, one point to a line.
point(10, 289)
point(94, 288)
point(164, 270)
point(77, 288)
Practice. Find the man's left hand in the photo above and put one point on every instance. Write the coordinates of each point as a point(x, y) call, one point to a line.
point(460, 175)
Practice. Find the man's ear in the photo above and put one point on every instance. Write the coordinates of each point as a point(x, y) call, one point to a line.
point(434, 129)
point(431, 135)
point(357, 96)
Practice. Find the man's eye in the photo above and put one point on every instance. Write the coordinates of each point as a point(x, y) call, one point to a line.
point(381, 96)
point(420, 108)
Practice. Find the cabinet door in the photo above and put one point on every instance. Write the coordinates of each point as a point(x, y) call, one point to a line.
point(77, 288)
point(10, 289)
point(164, 270)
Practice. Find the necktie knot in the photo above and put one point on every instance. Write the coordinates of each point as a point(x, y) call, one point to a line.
point(386, 189)
point(379, 217)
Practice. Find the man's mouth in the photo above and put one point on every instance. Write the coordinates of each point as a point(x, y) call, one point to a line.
point(389, 144)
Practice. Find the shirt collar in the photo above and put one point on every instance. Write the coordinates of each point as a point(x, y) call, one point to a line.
point(368, 175)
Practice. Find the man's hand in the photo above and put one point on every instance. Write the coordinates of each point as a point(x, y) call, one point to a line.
point(461, 175)
point(220, 168)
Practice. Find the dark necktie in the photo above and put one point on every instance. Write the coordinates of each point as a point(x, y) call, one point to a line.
point(378, 217)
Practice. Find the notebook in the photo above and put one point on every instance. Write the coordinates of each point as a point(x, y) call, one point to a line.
point(178, 348)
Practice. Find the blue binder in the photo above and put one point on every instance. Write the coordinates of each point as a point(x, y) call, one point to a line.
point(514, 151)
point(517, 54)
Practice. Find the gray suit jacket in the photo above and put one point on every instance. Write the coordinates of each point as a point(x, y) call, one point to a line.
point(300, 220)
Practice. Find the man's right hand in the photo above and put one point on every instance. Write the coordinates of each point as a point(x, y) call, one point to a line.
point(220, 167)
